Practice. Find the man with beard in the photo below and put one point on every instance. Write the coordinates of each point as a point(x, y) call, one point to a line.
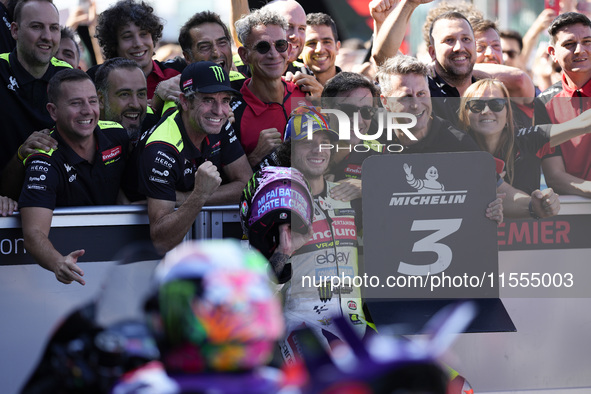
point(123, 96)
point(453, 51)
point(488, 42)
point(204, 37)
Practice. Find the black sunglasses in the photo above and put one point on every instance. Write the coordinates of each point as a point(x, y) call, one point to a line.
point(263, 47)
point(495, 105)
point(350, 109)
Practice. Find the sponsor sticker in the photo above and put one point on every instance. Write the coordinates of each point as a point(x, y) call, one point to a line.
point(112, 153)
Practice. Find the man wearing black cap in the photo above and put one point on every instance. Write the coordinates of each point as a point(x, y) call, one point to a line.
point(192, 151)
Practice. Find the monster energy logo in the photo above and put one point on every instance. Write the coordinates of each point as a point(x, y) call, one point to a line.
point(219, 73)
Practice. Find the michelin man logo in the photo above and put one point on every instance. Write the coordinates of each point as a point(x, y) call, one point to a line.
point(427, 185)
point(429, 191)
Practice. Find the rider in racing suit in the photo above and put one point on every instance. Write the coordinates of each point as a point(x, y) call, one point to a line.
point(318, 268)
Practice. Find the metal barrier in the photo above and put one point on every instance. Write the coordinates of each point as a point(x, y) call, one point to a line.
point(550, 350)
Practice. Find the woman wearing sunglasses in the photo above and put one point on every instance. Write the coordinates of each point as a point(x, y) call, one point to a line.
point(487, 117)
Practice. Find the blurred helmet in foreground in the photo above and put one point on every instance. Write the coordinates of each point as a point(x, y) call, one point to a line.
point(274, 196)
point(215, 308)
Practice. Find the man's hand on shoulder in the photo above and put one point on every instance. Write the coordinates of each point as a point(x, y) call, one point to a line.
point(307, 83)
point(38, 140)
point(346, 190)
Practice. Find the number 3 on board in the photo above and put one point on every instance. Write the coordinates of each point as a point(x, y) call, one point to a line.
point(443, 227)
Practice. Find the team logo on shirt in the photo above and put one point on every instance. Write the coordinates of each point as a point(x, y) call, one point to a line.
point(216, 148)
point(13, 85)
point(111, 155)
point(353, 170)
point(218, 72)
point(354, 318)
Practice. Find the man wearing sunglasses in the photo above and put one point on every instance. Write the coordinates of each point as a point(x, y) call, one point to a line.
point(267, 99)
point(295, 71)
point(354, 95)
point(568, 167)
point(512, 44)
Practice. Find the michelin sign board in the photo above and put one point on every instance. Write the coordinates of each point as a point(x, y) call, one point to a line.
point(425, 230)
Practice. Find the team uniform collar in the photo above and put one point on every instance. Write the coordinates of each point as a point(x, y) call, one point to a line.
point(190, 149)
point(585, 90)
point(258, 106)
point(22, 76)
point(73, 157)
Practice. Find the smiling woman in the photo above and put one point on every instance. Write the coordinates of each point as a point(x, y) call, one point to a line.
point(486, 114)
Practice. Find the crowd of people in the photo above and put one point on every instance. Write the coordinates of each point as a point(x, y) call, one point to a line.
point(190, 131)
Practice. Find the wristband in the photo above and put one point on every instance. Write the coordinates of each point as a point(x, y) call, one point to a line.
point(532, 213)
point(19, 155)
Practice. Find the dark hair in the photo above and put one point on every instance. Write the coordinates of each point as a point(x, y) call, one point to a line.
point(66, 32)
point(482, 25)
point(321, 19)
point(198, 19)
point(450, 15)
point(102, 73)
point(512, 35)
point(19, 4)
point(566, 19)
point(55, 83)
point(10, 4)
point(345, 82)
point(118, 15)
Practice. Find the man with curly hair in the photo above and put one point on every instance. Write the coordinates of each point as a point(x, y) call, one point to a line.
point(130, 29)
